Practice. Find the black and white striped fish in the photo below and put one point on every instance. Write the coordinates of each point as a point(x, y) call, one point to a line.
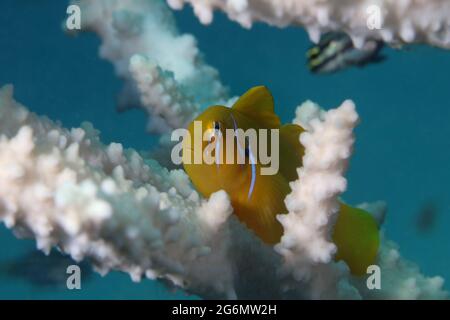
point(335, 51)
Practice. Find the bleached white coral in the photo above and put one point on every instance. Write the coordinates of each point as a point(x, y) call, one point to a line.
point(312, 209)
point(307, 112)
point(394, 22)
point(180, 81)
point(401, 279)
point(123, 212)
point(313, 203)
point(64, 188)
point(170, 109)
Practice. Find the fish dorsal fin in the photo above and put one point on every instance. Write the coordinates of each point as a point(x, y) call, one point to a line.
point(257, 103)
point(291, 149)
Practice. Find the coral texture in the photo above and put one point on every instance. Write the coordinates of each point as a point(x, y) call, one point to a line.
point(394, 22)
point(313, 203)
point(66, 189)
point(123, 212)
point(168, 79)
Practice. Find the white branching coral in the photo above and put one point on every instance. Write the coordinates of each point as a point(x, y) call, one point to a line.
point(123, 212)
point(401, 279)
point(170, 107)
point(66, 189)
point(394, 22)
point(169, 78)
point(307, 245)
point(313, 203)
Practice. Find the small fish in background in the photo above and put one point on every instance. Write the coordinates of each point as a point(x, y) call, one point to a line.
point(335, 51)
point(43, 271)
point(427, 217)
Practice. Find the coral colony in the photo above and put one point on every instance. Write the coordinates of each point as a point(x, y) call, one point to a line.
point(122, 211)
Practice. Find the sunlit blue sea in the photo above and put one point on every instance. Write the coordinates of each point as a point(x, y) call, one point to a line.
point(402, 153)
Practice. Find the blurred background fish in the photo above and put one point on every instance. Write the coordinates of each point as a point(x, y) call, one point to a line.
point(335, 51)
point(426, 218)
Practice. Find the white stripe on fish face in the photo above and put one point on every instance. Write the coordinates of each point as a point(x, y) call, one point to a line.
point(240, 150)
point(252, 161)
point(253, 164)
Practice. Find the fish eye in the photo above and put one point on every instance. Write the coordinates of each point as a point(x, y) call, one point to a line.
point(216, 125)
point(215, 131)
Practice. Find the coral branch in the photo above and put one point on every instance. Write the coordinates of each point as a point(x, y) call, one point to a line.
point(401, 279)
point(313, 203)
point(123, 212)
point(66, 189)
point(170, 64)
point(410, 21)
point(169, 107)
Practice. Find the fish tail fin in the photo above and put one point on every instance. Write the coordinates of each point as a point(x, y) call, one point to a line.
point(357, 238)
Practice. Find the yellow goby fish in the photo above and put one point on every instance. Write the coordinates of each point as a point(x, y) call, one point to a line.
point(257, 198)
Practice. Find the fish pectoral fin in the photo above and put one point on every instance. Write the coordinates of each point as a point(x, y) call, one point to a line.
point(259, 212)
point(257, 103)
point(268, 202)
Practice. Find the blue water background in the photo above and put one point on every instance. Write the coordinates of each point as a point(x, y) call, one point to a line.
point(402, 153)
